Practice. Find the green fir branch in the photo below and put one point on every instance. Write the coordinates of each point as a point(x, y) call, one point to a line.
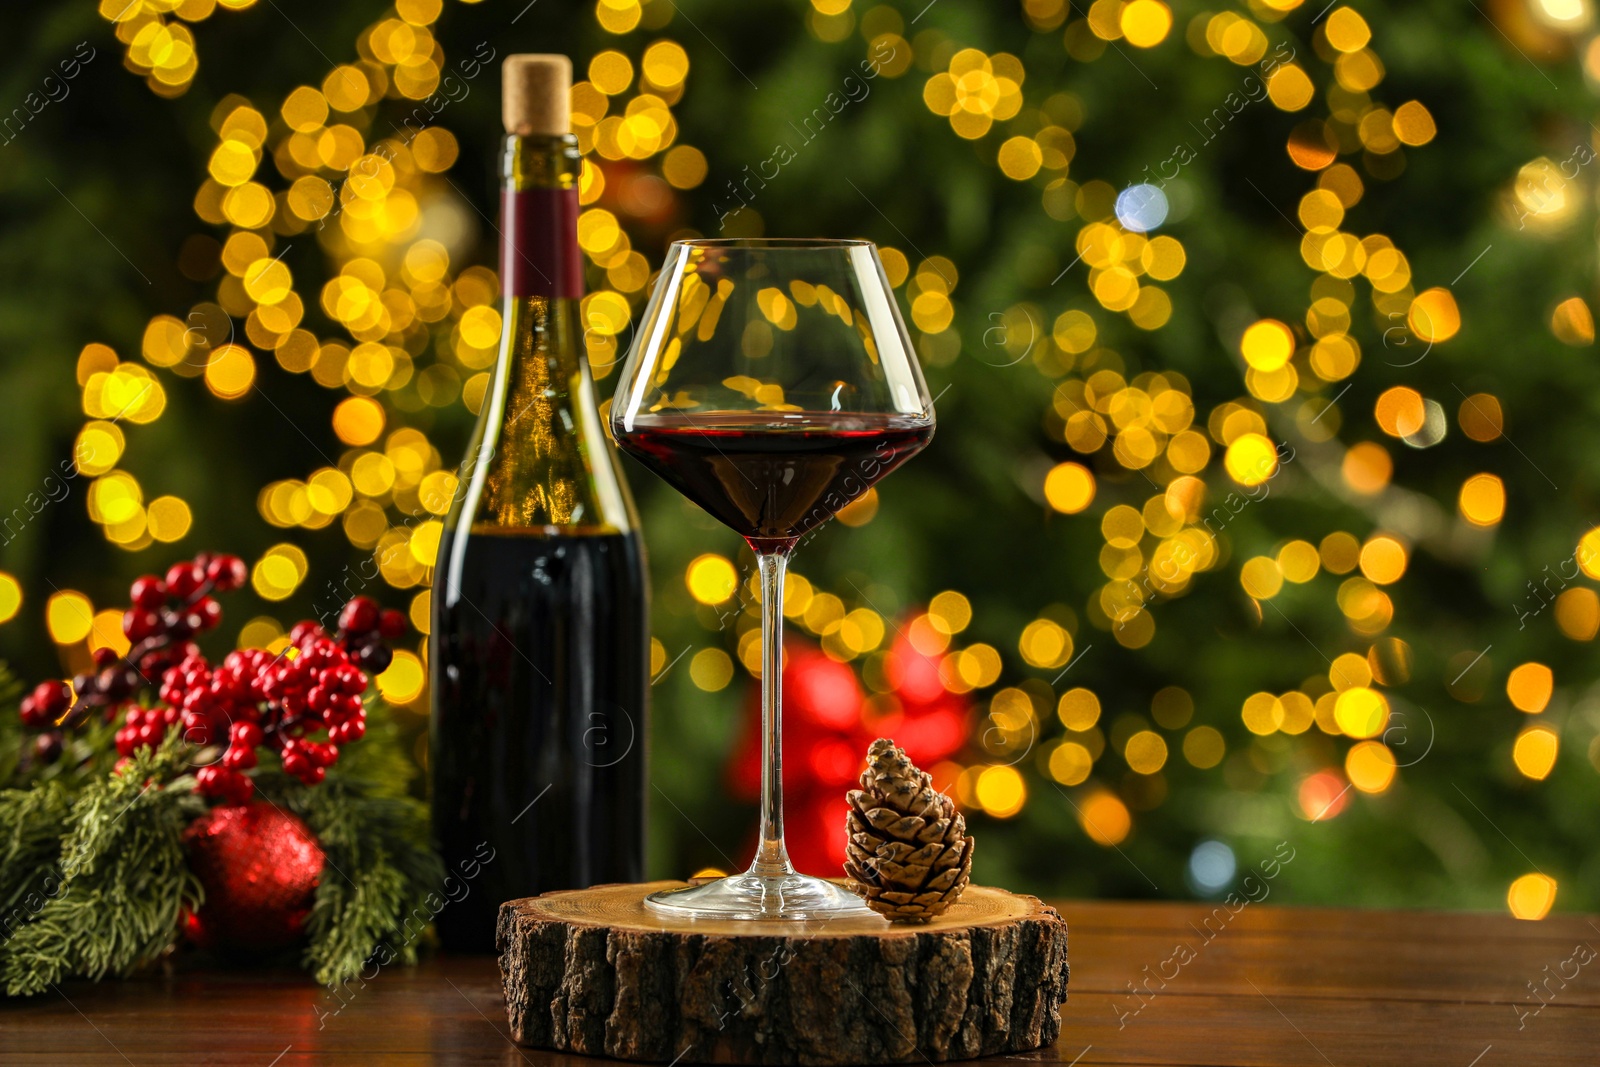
point(12, 736)
point(120, 882)
point(379, 876)
point(33, 823)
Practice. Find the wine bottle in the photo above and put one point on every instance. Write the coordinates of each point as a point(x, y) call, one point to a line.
point(539, 651)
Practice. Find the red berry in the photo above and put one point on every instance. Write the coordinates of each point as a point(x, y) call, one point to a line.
point(313, 775)
point(207, 613)
point(392, 625)
point(359, 616)
point(149, 593)
point(226, 573)
point(247, 734)
point(295, 763)
point(348, 731)
point(183, 579)
point(349, 678)
point(105, 657)
point(54, 697)
point(48, 702)
point(196, 730)
point(209, 781)
point(47, 746)
point(115, 684)
point(138, 624)
point(374, 657)
point(239, 758)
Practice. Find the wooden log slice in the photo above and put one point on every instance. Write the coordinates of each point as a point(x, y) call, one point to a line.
point(593, 971)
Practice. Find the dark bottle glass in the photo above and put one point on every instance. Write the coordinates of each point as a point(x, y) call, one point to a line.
point(540, 646)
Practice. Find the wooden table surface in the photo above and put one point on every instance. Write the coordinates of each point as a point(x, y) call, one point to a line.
point(1268, 986)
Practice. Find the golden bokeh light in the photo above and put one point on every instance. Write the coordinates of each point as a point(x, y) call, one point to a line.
point(168, 518)
point(404, 679)
point(1069, 488)
point(1000, 791)
point(1204, 747)
point(1104, 818)
point(1434, 316)
point(1251, 459)
point(711, 669)
point(10, 597)
point(1370, 766)
point(1346, 30)
point(1078, 709)
point(1340, 552)
point(1535, 751)
point(1383, 559)
point(711, 578)
point(1367, 468)
point(1361, 712)
point(1262, 713)
point(1578, 614)
point(1145, 23)
point(1399, 411)
point(1261, 577)
point(1573, 323)
point(1531, 896)
point(279, 572)
point(1070, 763)
point(1482, 501)
point(1299, 561)
point(1529, 686)
point(1145, 752)
point(1267, 345)
point(69, 616)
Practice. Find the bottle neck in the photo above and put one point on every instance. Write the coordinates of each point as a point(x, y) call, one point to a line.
point(539, 254)
point(545, 463)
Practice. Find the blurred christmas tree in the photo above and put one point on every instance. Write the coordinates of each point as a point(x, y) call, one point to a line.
point(1258, 509)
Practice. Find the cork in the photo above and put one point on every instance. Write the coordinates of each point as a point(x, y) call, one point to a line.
point(536, 94)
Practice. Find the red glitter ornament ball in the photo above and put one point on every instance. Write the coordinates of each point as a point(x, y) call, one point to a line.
point(259, 866)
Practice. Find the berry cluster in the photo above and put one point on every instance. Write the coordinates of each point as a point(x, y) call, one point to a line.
point(363, 629)
point(166, 614)
point(45, 708)
point(253, 699)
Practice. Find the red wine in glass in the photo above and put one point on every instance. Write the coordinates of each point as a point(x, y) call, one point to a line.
point(771, 478)
point(771, 381)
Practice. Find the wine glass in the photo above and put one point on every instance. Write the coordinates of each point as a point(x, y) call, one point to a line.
point(772, 382)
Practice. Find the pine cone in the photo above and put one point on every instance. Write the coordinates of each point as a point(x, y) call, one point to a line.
point(908, 852)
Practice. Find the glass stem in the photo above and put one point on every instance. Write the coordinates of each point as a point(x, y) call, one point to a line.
point(772, 859)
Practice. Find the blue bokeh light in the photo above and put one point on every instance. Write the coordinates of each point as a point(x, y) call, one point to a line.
point(1211, 867)
point(1142, 207)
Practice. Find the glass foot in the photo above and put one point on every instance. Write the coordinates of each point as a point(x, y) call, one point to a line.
point(751, 896)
